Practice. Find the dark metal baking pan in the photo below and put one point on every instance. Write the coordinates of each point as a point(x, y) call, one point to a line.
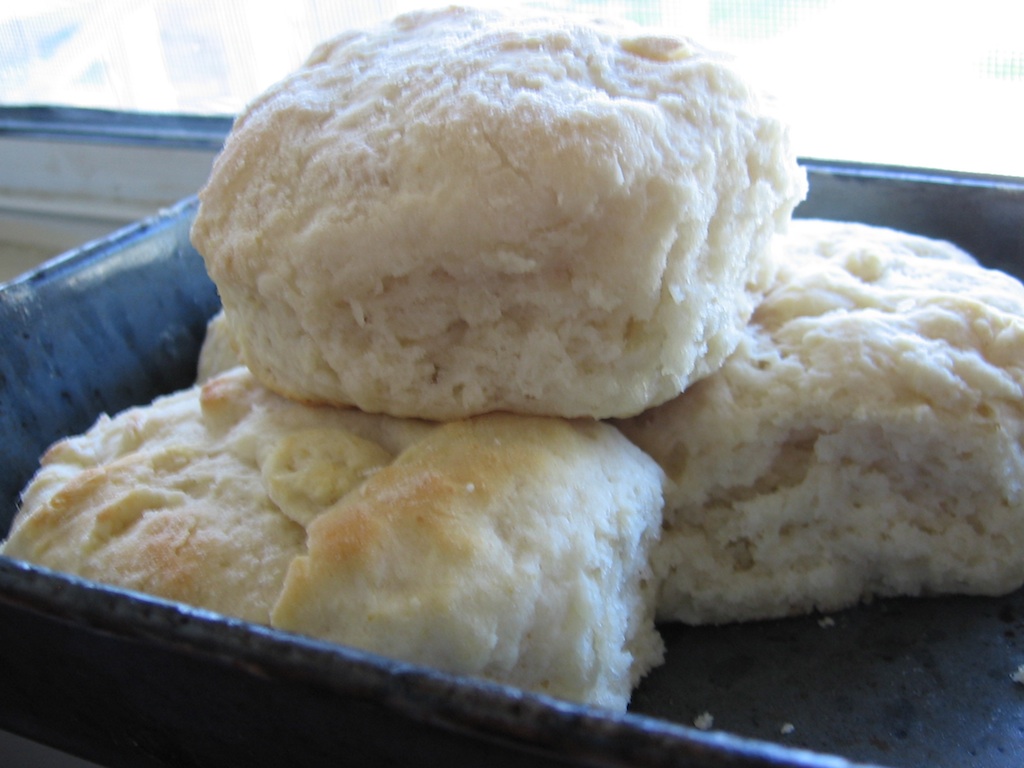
point(127, 680)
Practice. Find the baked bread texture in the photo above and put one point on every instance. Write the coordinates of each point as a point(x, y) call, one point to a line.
point(217, 353)
point(464, 211)
point(514, 548)
point(864, 440)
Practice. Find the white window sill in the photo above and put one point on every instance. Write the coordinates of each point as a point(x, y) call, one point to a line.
point(71, 176)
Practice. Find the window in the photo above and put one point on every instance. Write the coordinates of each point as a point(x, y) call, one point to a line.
point(926, 83)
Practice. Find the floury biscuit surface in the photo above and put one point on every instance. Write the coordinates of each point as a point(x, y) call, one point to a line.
point(865, 439)
point(218, 352)
point(465, 211)
point(511, 548)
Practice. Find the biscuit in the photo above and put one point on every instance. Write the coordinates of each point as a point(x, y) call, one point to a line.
point(464, 211)
point(513, 548)
point(864, 440)
point(217, 353)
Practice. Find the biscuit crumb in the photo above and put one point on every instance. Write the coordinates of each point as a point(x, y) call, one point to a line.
point(787, 728)
point(1018, 675)
point(704, 721)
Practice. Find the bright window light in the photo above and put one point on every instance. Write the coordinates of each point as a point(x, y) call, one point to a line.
point(925, 83)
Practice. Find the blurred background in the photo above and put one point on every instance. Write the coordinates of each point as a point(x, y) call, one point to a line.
point(931, 83)
point(92, 92)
